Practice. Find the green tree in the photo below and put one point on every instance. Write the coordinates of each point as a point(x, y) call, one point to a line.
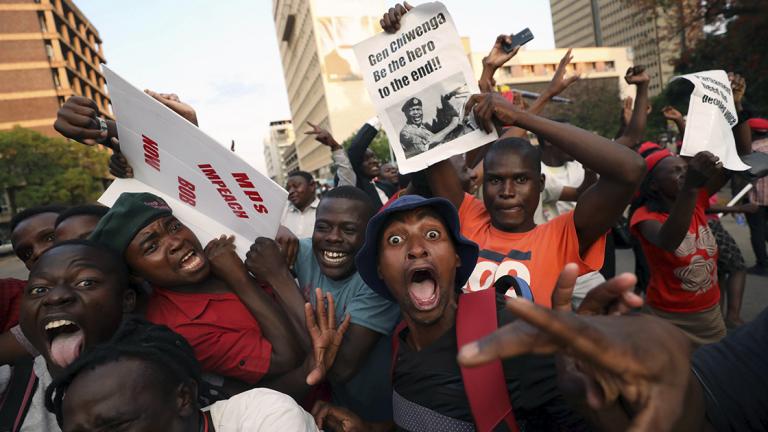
point(379, 146)
point(36, 169)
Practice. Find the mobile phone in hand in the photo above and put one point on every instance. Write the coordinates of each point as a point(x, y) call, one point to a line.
point(519, 39)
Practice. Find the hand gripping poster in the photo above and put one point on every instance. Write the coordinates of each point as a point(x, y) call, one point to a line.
point(711, 115)
point(209, 188)
point(419, 80)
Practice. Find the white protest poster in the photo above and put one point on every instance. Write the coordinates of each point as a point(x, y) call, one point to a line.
point(209, 188)
point(419, 80)
point(711, 115)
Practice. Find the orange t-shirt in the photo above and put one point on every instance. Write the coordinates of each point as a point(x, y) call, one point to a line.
point(537, 256)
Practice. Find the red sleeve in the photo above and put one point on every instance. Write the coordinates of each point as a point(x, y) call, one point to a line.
point(11, 291)
point(643, 214)
point(242, 355)
point(562, 231)
point(472, 216)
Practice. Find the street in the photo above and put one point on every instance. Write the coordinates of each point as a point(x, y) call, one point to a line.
point(755, 297)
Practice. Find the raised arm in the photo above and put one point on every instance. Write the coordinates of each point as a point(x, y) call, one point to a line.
point(634, 130)
point(347, 176)
point(670, 234)
point(620, 169)
point(557, 85)
point(287, 353)
point(493, 61)
point(359, 145)
point(670, 113)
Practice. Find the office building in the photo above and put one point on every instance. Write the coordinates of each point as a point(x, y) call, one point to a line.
point(612, 23)
point(324, 83)
point(278, 144)
point(48, 52)
point(532, 70)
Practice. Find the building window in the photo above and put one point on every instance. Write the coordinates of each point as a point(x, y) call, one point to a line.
point(56, 81)
point(49, 51)
point(43, 25)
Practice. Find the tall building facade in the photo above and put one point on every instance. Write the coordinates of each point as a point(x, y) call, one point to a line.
point(324, 83)
point(611, 23)
point(278, 145)
point(48, 52)
point(532, 70)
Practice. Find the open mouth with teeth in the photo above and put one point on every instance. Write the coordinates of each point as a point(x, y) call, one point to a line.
point(191, 261)
point(65, 341)
point(334, 258)
point(423, 289)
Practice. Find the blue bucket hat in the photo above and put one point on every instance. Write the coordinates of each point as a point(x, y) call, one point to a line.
point(367, 259)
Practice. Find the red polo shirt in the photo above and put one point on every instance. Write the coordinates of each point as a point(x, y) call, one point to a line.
point(226, 338)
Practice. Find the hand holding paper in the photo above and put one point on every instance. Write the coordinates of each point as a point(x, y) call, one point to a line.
point(711, 115)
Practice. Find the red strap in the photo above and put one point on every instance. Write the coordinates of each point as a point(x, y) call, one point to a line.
point(485, 385)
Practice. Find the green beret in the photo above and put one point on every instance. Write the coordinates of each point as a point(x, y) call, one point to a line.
point(412, 102)
point(128, 215)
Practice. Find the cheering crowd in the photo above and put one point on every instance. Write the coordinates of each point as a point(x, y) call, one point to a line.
point(477, 294)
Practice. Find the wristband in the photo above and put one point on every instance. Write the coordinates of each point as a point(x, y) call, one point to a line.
point(103, 128)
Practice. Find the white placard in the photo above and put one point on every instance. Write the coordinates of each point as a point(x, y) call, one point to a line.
point(711, 115)
point(419, 80)
point(210, 189)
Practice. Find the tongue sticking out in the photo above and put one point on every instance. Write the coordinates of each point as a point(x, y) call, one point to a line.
point(66, 347)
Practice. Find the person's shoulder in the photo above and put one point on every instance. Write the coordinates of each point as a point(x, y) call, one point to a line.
point(644, 214)
point(260, 409)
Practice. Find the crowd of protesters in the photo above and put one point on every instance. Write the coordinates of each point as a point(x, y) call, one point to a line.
point(477, 294)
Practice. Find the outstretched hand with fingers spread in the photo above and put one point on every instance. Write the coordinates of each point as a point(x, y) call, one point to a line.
point(559, 82)
point(640, 358)
point(326, 338)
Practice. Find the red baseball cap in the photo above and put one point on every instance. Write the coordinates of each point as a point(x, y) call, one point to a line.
point(758, 124)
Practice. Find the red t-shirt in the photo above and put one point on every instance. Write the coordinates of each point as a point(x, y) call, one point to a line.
point(686, 280)
point(11, 291)
point(226, 338)
point(537, 256)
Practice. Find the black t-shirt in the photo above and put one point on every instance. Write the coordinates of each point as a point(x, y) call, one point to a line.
point(734, 377)
point(432, 378)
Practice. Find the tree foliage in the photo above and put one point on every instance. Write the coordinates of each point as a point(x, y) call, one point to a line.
point(37, 170)
point(379, 146)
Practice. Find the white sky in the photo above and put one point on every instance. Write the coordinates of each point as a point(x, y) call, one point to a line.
point(222, 58)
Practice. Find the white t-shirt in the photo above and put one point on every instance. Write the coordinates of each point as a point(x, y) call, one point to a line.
point(38, 418)
point(260, 409)
point(571, 174)
point(301, 223)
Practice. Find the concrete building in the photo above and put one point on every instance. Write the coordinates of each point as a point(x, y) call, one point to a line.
point(531, 70)
point(48, 52)
point(611, 23)
point(324, 84)
point(278, 143)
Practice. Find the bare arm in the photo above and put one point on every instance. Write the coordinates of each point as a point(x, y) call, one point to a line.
point(669, 235)
point(358, 344)
point(636, 126)
point(444, 182)
point(621, 170)
point(275, 325)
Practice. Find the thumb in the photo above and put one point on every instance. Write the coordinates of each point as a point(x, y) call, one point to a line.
point(563, 292)
point(315, 376)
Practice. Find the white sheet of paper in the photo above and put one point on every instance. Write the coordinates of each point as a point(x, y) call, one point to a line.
point(711, 115)
point(209, 188)
point(424, 64)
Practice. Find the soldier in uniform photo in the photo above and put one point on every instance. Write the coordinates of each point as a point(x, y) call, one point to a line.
point(417, 136)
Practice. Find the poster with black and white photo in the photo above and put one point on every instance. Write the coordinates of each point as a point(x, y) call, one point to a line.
point(419, 80)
